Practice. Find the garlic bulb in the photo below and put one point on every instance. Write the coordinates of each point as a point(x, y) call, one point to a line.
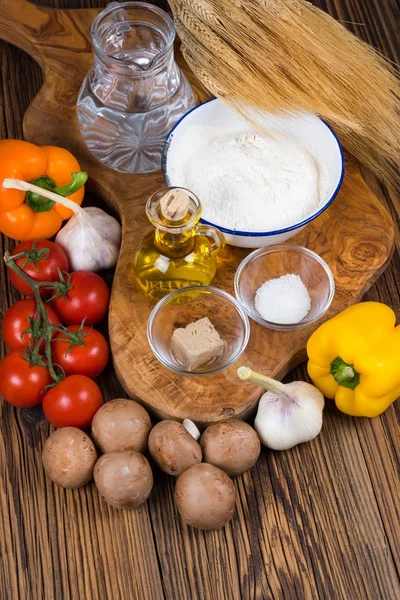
point(91, 239)
point(288, 414)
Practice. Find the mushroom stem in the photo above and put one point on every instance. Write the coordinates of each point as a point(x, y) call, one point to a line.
point(276, 387)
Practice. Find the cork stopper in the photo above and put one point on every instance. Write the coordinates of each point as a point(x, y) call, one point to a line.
point(175, 205)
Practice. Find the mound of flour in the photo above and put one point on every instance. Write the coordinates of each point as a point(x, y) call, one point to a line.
point(246, 181)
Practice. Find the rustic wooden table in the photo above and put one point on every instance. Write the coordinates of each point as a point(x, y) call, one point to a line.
point(319, 521)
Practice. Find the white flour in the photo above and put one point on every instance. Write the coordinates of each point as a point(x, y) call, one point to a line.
point(249, 182)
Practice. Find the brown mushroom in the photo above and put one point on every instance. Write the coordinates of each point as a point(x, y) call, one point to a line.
point(205, 496)
point(121, 425)
point(173, 448)
point(69, 457)
point(124, 479)
point(232, 445)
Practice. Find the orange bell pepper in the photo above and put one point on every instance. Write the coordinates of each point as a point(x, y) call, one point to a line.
point(26, 216)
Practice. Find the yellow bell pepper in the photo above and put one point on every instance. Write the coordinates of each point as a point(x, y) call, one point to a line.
point(354, 359)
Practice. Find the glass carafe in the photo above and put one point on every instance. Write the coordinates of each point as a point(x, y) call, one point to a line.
point(176, 254)
point(135, 92)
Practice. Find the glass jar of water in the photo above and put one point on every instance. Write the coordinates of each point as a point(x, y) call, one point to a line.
point(135, 92)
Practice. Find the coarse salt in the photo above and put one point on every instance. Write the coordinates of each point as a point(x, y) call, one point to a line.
point(283, 300)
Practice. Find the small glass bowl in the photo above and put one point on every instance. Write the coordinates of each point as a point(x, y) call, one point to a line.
point(275, 261)
point(186, 305)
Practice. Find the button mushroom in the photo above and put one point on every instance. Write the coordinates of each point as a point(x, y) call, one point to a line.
point(232, 445)
point(124, 479)
point(205, 497)
point(68, 457)
point(173, 448)
point(121, 425)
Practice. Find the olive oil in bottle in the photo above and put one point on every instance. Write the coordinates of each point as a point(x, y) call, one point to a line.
point(179, 252)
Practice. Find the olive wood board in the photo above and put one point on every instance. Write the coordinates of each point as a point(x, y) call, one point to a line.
point(355, 236)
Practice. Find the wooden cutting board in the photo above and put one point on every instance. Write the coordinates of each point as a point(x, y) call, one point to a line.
point(355, 235)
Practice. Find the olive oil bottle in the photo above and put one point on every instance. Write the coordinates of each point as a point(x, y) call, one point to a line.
point(179, 251)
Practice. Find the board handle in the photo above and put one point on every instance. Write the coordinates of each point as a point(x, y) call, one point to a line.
point(22, 23)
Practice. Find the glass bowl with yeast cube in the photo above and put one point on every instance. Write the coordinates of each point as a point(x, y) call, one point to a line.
point(198, 330)
point(284, 287)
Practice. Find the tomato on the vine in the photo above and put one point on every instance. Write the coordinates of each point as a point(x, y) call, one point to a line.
point(37, 265)
point(21, 383)
point(86, 297)
point(20, 317)
point(73, 402)
point(83, 352)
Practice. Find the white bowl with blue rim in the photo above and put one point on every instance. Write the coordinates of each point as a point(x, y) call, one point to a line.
point(306, 128)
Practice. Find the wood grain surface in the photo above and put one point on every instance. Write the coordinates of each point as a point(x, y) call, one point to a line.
point(355, 235)
point(319, 521)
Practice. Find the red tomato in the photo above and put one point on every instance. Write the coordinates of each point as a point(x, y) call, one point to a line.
point(21, 384)
point(88, 356)
point(16, 321)
point(73, 402)
point(43, 269)
point(89, 297)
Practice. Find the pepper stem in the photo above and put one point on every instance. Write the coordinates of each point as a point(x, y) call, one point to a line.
point(78, 179)
point(344, 374)
point(38, 203)
point(17, 184)
point(276, 387)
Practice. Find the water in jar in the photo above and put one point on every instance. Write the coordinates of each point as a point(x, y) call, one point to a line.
point(135, 92)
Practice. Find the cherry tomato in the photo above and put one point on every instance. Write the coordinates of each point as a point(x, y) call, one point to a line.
point(73, 402)
point(21, 384)
point(39, 269)
point(88, 297)
point(85, 354)
point(16, 321)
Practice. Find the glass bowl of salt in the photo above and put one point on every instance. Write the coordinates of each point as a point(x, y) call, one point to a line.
point(284, 287)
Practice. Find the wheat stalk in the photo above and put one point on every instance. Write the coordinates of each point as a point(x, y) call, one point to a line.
point(287, 55)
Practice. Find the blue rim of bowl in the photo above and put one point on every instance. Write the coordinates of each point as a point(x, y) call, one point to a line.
point(282, 248)
point(208, 288)
point(254, 233)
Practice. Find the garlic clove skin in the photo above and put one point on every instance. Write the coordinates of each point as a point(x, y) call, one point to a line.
point(91, 240)
point(192, 429)
point(282, 423)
